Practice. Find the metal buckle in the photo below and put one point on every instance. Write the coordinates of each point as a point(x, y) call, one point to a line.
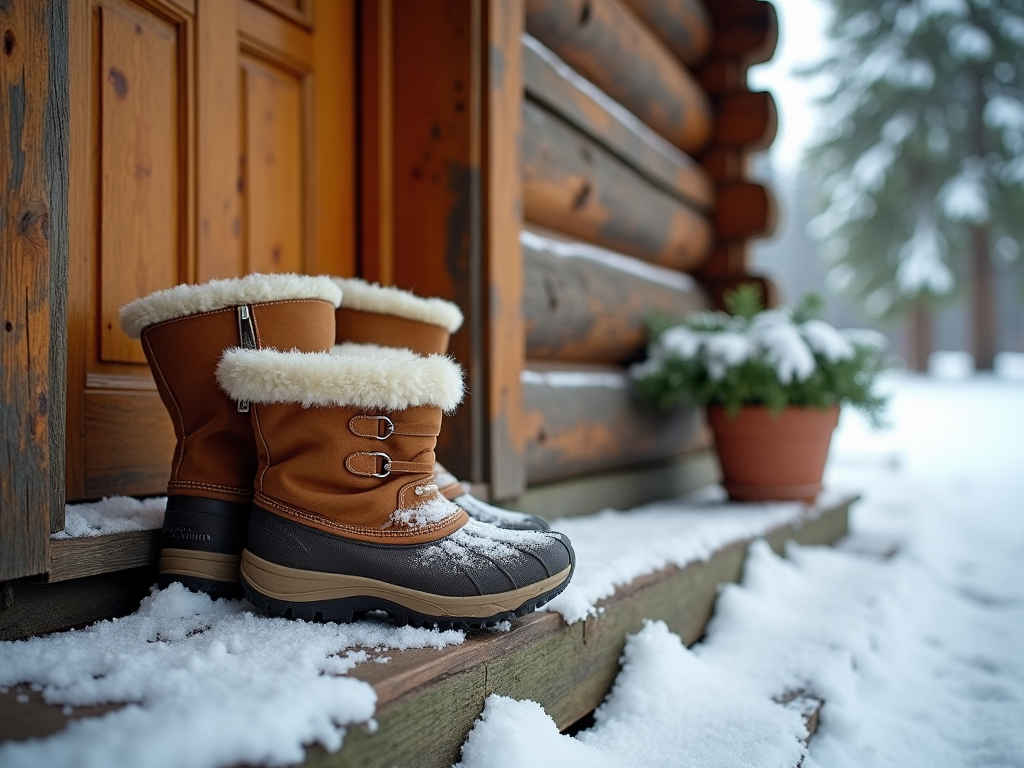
point(389, 427)
point(386, 464)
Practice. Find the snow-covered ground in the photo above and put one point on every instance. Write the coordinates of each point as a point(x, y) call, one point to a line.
point(919, 658)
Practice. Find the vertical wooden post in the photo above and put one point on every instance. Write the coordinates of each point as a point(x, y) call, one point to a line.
point(505, 331)
point(33, 262)
point(456, 188)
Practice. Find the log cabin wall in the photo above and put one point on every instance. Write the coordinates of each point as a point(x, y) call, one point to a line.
point(637, 125)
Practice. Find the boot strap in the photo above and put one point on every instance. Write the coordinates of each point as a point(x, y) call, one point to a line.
point(382, 427)
point(379, 464)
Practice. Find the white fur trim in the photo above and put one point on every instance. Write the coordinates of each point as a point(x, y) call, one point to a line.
point(322, 379)
point(371, 350)
point(184, 300)
point(387, 300)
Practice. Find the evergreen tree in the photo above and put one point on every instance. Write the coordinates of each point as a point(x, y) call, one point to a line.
point(921, 171)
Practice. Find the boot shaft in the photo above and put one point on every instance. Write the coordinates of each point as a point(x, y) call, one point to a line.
point(391, 317)
point(346, 444)
point(215, 455)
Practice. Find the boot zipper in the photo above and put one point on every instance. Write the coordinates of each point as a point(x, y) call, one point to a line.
point(247, 340)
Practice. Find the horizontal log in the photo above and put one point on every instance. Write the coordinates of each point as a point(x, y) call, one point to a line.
point(553, 83)
point(683, 25)
point(609, 45)
point(586, 421)
point(745, 210)
point(92, 555)
point(574, 186)
point(582, 303)
point(746, 119)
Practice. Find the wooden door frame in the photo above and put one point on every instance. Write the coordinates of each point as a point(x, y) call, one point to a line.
point(442, 202)
point(33, 303)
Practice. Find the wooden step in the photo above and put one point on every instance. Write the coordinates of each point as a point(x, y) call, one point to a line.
point(427, 700)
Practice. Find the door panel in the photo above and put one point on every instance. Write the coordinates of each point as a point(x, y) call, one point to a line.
point(141, 138)
point(195, 129)
point(273, 183)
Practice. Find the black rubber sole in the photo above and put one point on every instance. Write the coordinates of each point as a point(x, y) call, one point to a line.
point(346, 610)
point(215, 589)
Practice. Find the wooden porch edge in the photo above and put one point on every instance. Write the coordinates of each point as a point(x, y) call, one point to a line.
point(428, 700)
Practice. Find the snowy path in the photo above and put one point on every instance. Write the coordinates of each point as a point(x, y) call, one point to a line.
point(920, 658)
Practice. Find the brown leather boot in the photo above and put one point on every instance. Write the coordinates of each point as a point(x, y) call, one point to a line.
point(374, 317)
point(347, 518)
point(184, 331)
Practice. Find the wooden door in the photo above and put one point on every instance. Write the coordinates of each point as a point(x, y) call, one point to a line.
point(209, 138)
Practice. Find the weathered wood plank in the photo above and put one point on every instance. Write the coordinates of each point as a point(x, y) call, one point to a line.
point(558, 87)
point(27, 131)
point(92, 555)
point(581, 303)
point(504, 335)
point(610, 46)
point(683, 25)
point(56, 140)
point(584, 421)
point(566, 669)
point(457, 211)
point(38, 608)
point(574, 186)
point(427, 700)
point(129, 442)
point(624, 488)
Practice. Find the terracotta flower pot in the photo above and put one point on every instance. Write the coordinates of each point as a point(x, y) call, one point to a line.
point(766, 457)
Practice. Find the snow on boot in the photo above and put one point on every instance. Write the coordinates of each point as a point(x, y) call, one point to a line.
point(184, 332)
point(347, 517)
point(374, 316)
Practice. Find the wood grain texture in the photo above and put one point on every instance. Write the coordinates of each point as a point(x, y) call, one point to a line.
point(610, 46)
point(574, 186)
point(141, 150)
point(582, 422)
point(567, 669)
point(577, 308)
point(93, 555)
point(745, 210)
point(274, 183)
point(436, 205)
point(621, 133)
point(332, 159)
point(39, 608)
point(56, 140)
point(218, 111)
point(25, 303)
point(683, 25)
point(504, 340)
point(623, 488)
point(129, 443)
point(427, 700)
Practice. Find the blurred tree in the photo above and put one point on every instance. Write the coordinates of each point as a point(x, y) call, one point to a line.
point(921, 169)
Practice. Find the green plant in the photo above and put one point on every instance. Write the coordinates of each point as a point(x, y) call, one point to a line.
point(755, 356)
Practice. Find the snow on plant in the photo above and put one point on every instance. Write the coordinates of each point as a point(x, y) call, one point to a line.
point(756, 356)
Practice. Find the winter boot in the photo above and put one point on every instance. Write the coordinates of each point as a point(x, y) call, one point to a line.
point(377, 316)
point(184, 332)
point(347, 517)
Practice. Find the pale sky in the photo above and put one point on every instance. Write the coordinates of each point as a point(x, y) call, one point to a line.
point(802, 41)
